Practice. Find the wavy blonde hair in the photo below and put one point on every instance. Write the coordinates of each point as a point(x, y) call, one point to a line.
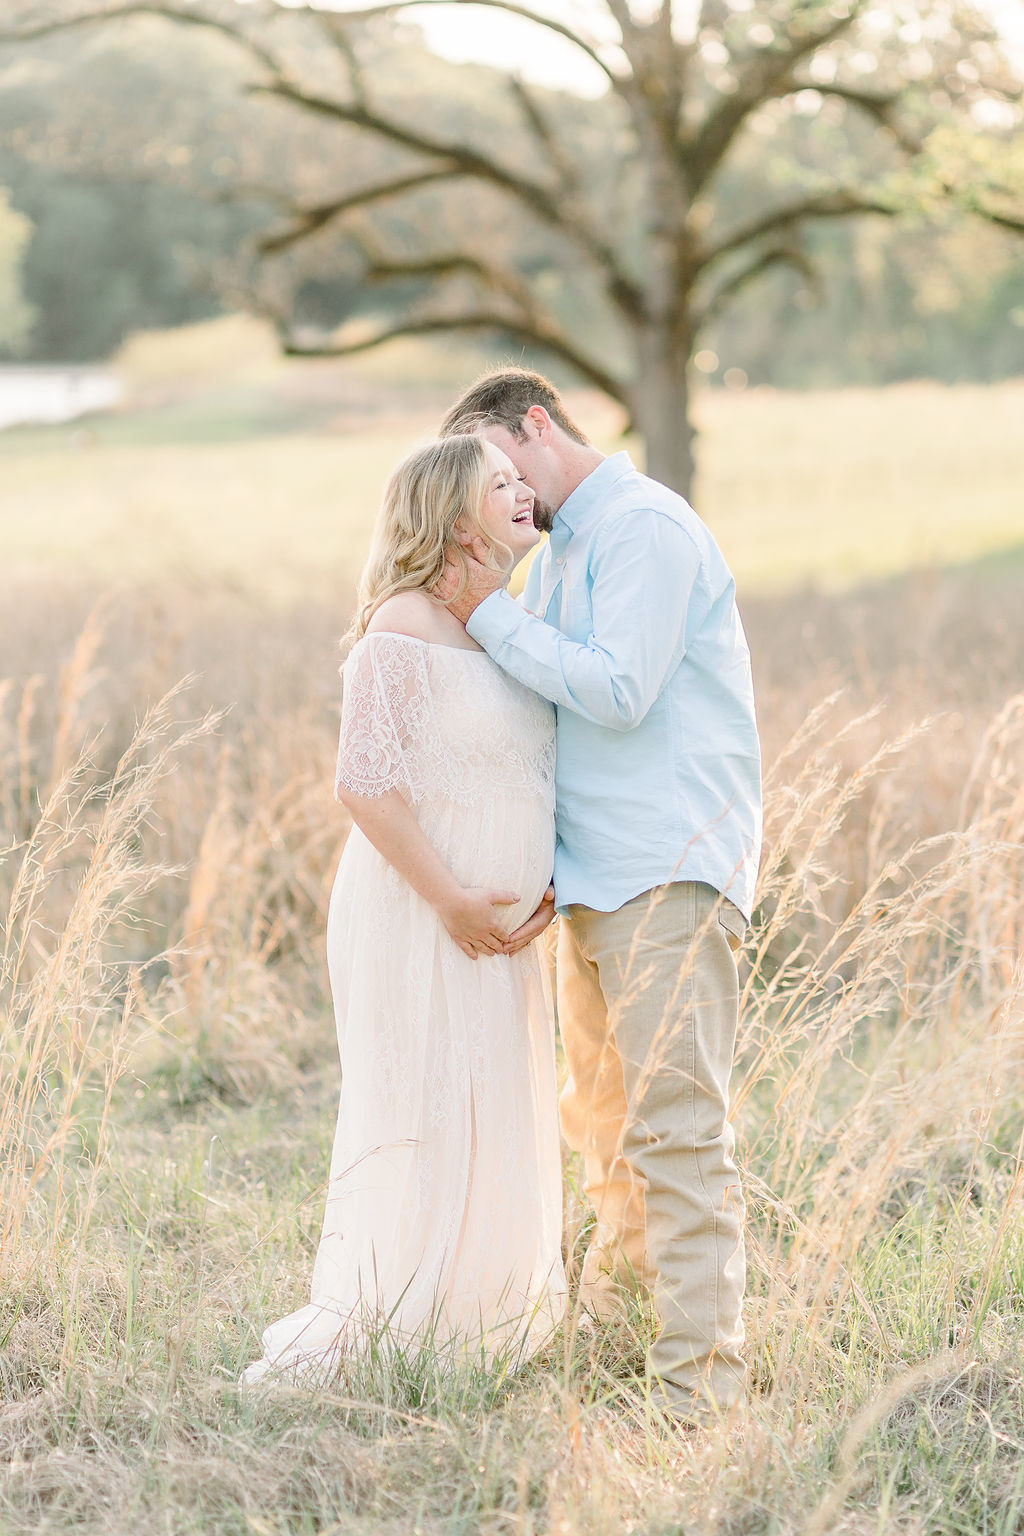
point(414, 535)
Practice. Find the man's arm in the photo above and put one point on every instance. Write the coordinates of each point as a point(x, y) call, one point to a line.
point(644, 579)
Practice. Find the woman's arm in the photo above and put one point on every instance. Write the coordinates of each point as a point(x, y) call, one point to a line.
point(471, 914)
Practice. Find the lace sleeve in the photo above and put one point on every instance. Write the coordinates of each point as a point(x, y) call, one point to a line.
point(384, 704)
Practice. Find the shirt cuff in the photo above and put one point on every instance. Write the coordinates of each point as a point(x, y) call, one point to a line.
point(492, 622)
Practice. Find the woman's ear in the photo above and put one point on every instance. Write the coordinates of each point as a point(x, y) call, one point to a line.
point(464, 534)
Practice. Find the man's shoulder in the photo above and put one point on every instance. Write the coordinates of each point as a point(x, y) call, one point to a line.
point(637, 497)
point(642, 490)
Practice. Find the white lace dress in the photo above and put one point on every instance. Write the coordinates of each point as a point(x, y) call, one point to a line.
point(443, 1215)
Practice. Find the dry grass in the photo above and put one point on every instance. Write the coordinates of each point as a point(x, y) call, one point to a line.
point(170, 1084)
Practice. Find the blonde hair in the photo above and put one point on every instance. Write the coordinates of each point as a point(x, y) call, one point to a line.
point(414, 535)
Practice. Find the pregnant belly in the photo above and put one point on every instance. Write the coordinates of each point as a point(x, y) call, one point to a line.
point(509, 847)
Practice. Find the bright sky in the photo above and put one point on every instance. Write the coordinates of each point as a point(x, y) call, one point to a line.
point(481, 34)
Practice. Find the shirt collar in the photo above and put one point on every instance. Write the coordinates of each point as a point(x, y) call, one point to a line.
point(588, 494)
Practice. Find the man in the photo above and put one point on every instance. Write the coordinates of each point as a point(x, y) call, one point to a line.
point(629, 625)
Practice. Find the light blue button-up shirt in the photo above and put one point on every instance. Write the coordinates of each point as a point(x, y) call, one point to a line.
point(628, 624)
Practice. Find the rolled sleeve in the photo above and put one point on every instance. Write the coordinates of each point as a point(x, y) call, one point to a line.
point(494, 621)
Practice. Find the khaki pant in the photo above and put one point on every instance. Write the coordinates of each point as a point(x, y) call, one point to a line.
point(647, 1005)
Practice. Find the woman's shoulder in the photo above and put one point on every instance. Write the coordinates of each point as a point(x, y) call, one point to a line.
point(412, 614)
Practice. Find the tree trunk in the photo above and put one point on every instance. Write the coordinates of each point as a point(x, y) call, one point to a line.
point(660, 399)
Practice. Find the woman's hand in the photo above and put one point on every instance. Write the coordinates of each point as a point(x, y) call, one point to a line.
point(474, 922)
point(534, 926)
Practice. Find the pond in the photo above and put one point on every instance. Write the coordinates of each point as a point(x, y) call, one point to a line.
point(35, 395)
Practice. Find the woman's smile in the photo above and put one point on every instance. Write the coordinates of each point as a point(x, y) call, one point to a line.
point(507, 512)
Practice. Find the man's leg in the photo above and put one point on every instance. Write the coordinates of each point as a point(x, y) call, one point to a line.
point(667, 972)
point(592, 1111)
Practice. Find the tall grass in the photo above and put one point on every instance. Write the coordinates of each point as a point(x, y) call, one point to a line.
point(170, 1085)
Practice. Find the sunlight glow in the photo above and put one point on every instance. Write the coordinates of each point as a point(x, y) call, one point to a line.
point(483, 34)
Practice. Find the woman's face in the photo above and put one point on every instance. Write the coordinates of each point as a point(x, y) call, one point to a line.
point(507, 510)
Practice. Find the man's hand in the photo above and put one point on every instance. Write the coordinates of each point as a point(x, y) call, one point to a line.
point(482, 579)
point(474, 922)
point(534, 925)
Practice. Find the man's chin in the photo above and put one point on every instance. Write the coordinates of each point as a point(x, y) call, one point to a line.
point(543, 517)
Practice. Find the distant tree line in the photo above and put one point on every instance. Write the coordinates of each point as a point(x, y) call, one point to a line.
point(120, 239)
point(139, 176)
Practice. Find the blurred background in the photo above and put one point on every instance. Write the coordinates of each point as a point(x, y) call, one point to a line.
point(248, 252)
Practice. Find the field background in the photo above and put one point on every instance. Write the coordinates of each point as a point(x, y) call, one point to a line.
point(169, 1072)
point(232, 465)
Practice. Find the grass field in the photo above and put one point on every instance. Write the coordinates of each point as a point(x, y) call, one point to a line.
point(265, 475)
point(168, 1077)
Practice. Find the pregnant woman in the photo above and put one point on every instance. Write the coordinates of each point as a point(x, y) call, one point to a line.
point(443, 1217)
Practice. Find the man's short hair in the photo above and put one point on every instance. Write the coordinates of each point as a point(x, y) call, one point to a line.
point(502, 399)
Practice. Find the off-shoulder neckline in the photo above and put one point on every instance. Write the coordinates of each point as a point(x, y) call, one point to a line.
point(435, 645)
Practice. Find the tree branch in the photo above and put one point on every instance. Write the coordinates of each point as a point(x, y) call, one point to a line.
point(543, 201)
point(155, 8)
point(836, 204)
point(768, 75)
point(553, 340)
point(789, 255)
point(340, 39)
point(1010, 221)
point(308, 221)
point(385, 268)
point(879, 105)
point(559, 161)
point(623, 18)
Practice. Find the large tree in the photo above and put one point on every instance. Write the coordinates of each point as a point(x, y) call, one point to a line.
point(686, 88)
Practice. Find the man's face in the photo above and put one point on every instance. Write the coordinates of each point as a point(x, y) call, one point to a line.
point(536, 463)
